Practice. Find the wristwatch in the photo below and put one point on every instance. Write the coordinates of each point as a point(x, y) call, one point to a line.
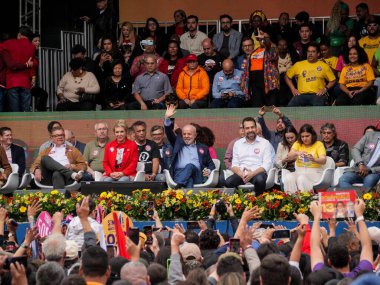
point(358, 219)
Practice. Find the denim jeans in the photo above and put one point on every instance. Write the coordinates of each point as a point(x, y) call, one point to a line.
point(19, 99)
point(234, 102)
point(307, 99)
point(349, 178)
point(188, 176)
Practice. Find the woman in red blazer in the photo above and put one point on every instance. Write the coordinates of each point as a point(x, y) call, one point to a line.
point(120, 156)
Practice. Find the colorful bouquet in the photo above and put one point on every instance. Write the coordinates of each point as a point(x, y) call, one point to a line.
point(177, 204)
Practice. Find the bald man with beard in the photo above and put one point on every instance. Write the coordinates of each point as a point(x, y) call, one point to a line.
point(226, 89)
point(191, 160)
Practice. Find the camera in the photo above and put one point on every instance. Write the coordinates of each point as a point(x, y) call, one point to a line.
point(221, 207)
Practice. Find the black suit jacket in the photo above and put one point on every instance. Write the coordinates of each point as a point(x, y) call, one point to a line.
point(18, 157)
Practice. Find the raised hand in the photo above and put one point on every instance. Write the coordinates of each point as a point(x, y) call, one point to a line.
point(34, 208)
point(170, 111)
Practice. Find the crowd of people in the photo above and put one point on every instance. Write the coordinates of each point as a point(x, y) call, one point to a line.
point(279, 64)
point(75, 253)
point(187, 155)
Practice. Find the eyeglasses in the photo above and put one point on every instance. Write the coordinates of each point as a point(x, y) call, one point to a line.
point(327, 133)
point(157, 134)
point(58, 136)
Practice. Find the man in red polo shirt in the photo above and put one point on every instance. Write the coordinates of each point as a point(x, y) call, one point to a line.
point(18, 82)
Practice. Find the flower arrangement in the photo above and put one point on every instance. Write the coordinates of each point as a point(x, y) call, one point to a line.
point(178, 204)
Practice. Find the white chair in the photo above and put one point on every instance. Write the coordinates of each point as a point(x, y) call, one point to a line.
point(140, 175)
point(25, 180)
point(74, 185)
point(12, 181)
point(327, 175)
point(249, 186)
point(339, 173)
point(211, 181)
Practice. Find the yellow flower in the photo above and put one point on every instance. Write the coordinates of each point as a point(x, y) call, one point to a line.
point(179, 196)
point(367, 196)
point(109, 195)
point(189, 192)
point(301, 210)
point(103, 195)
point(238, 201)
point(54, 192)
point(22, 209)
point(279, 197)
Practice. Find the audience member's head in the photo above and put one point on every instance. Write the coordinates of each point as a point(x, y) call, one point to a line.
point(135, 273)
point(50, 273)
point(209, 239)
point(157, 273)
point(229, 262)
point(95, 266)
point(274, 270)
point(54, 248)
point(74, 279)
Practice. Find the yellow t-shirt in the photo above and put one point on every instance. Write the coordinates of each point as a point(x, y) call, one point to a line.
point(356, 76)
point(311, 77)
point(331, 61)
point(370, 46)
point(317, 150)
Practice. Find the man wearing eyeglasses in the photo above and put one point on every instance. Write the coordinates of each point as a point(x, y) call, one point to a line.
point(227, 42)
point(335, 148)
point(59, 164)
point(371, 42)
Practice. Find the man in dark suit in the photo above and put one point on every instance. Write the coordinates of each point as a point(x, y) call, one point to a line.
point(70, 137)
point(15, 153)
point(191, 160)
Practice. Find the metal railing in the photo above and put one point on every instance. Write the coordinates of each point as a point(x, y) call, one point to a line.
point(54, 63)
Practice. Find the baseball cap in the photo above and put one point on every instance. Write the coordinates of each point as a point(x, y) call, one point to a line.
point(71, 249)
point(190, 249)
point(191, 57)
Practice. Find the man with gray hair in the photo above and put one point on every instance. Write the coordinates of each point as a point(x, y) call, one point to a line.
point(54, 248)
point(335, 148)
point(70, 137)
point(135, 273)
point(94, 152)
point(150, 88)
point(191, 159)
point(50, 273)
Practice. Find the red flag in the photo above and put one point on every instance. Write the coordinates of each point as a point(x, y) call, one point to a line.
point(120, 238)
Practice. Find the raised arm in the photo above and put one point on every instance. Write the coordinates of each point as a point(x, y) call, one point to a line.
point(365, 240)
point(316, 255)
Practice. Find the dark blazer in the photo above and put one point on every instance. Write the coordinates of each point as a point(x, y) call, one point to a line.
point(80, 146)
point(18, 157)
point(178, 143)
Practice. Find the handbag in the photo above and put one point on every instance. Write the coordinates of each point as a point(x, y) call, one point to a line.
point(85, 97)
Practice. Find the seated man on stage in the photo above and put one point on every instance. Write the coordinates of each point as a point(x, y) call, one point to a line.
point(366, 155)
point(60, 164)
point(191, 160)
point(252, 159)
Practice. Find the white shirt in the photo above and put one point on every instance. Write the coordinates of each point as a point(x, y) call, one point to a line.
point(193, 45)
point(58, 153)
point(252, 155)
point(75, 232)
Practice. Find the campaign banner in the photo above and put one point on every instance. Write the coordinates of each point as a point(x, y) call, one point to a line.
point(44, 224)
point(338, 204)
point(109, 226)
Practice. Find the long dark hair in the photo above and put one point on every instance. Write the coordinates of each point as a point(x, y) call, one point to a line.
point(362, 55)
point(288, 129)
point(179, 53)
point(307, 128)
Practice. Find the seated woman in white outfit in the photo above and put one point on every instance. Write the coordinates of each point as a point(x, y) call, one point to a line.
point(310, 155)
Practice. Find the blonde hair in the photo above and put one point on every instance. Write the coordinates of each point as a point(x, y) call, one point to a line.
point(120, 124)
point(232, 278)
point(132, 33)
point(334, 22)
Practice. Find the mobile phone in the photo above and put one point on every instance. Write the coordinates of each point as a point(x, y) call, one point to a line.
point(268, 108)
point(234, 245)
point(148, 231)
point(110, 250)
point(192, 225)
point(265, 226)
point(134, 235)
point(20, 259)
point(281, 234)
point(150, 208)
